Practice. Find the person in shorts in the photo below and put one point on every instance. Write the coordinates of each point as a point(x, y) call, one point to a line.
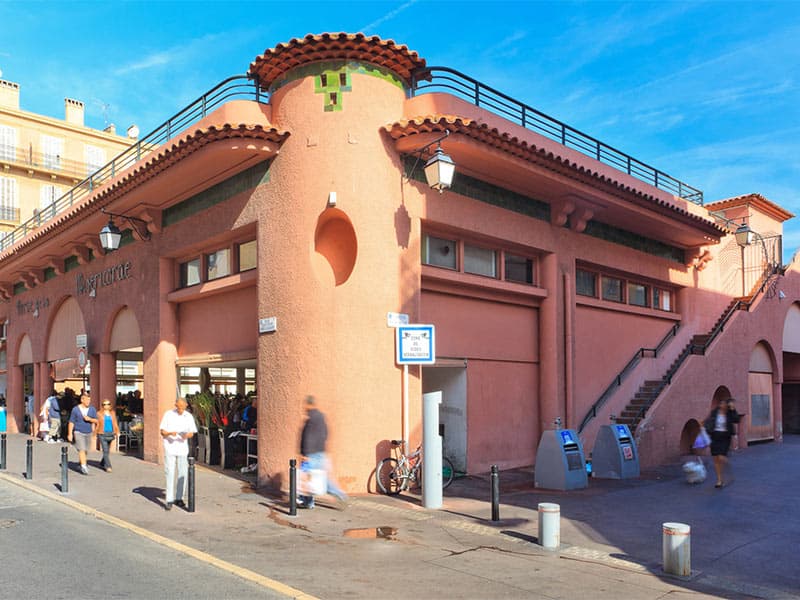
point(82, 424)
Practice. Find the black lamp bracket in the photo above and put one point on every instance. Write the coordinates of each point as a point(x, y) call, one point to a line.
point(419, 152)
point(138, 225)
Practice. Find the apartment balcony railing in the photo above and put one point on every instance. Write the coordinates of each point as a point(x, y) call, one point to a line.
point(443, 79)
point(232, 88)
point(32, 159)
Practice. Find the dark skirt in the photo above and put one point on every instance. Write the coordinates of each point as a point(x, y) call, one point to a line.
point(720, 443)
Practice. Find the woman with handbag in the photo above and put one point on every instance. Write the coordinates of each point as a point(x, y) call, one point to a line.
point(720, 426)
point(108, 430)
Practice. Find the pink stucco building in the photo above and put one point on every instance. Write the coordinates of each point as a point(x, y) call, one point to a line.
point(564, 277)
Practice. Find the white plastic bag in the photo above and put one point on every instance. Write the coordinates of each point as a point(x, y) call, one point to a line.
point(703, 440)
point(695, 471)
point(311, 482)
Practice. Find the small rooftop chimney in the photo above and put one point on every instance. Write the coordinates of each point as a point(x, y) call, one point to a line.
point(73, 111)
point(9, 94)
point(111, 128)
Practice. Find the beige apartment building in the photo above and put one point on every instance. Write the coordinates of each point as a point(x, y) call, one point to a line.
point(42, 158)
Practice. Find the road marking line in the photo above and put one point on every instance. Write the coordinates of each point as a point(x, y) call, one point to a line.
point(242, 572)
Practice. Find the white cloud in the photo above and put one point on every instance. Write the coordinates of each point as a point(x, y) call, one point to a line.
point(387, 17)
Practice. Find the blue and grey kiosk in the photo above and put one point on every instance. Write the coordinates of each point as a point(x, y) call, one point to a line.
point(614, 455)
point(560, 462)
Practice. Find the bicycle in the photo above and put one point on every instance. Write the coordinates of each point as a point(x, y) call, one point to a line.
point(396, 474)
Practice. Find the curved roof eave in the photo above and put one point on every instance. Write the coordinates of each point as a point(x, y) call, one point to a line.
point(150, 166)
point(529, 152)
point(275, 62)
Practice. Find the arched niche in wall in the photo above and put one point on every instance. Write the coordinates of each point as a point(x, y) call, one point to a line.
point(335, 240)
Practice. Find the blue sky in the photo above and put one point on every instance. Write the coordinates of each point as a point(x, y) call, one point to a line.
point(707, 92)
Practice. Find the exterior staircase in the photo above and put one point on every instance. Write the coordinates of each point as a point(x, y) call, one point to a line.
point(644, 398)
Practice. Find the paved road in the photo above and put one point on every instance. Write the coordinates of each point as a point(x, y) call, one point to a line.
point(48, 550)
point(744, 537)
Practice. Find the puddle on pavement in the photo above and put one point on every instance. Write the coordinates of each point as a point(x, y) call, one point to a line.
point(367, 533)
point(277, 519)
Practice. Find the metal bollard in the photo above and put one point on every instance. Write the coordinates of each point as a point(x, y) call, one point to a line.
point(676, 549)
point(495, 494)
point(64, 469)
point(2, 451)
point(29, 460)
point(292, 487)
point(191, 484)
point(549, 525)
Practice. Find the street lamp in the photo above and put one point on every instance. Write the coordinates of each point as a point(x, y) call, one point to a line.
point(439, 169)
point(111, 235)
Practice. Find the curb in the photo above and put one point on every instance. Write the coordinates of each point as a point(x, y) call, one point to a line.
point(247, 574)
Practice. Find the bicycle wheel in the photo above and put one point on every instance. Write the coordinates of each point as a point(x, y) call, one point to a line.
point(390, 477)
point(448, 472)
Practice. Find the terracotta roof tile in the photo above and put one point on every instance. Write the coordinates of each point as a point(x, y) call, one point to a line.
point(276, 61)
point(757, 200)
point(161, 159)
point(531, 153)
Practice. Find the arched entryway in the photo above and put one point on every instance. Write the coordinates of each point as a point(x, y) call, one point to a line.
point(63, 340)
point(790, 392)
point(759, 418)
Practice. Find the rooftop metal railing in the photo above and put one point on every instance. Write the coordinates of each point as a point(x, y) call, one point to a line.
point(239, 86)
point(433, 79)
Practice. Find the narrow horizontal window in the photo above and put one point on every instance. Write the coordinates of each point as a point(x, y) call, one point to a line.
point(585, 283)
point(190, 272)
point(611, 289)
point(439, 252)
point(518, 268)
point(218, 264)
point(637, 294)
point(480, 261)
point(248, 257)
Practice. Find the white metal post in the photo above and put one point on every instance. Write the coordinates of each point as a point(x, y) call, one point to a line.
point(431, 451)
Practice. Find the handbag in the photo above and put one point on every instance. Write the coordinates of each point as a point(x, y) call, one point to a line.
point(311, 482)
point(703, 440)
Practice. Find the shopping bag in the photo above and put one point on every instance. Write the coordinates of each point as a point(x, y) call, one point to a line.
point(703, 440)
point(695, 471)
point(311, 482)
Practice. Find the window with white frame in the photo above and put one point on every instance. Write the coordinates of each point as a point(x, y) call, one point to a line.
point(52, 151)
point(9, 207)
point(95, 158)
point(48, 194)
point(8, 143)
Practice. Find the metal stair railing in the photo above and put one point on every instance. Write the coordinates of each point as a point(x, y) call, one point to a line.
point(432, 79)
point(691, 348)
point(239, 86)
point(623, 374)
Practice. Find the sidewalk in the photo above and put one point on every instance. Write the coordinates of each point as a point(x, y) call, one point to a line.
point(744, 537)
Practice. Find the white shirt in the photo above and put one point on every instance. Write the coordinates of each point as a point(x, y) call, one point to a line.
point(176, 445)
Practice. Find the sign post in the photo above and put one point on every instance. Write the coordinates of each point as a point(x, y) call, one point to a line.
point(416, 345)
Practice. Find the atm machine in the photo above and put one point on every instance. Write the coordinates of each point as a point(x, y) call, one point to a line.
point(615, 455)
point(560, 462)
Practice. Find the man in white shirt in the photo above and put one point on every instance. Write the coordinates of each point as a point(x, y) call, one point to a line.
point(177, 427)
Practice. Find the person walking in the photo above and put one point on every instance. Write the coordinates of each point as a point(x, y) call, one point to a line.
point(720, 426)
point(82, 424)
point(108, 430)
point(177, 428)
point(313, 440)
point(54, 416)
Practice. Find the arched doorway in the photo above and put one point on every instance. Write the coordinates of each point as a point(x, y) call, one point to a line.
point(62, 345)
point(790, 391)
point(759, 417)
